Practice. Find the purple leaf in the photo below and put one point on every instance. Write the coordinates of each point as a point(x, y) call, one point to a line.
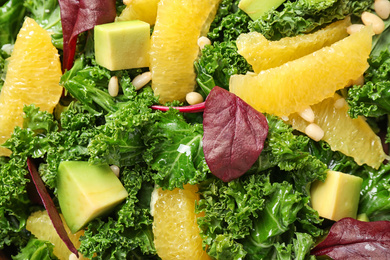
point(234, 134)
point(185, 109)
point(353, 239)
point(78, 16)
point(50, 207)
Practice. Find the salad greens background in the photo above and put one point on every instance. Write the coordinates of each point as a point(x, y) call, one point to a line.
point(262, 215)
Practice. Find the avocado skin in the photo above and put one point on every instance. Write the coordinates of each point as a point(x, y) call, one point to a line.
point(87, 191)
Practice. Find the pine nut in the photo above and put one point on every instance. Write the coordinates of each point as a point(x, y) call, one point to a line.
point(359, 81)
point(285, 118)
point(382, 8)
point(353, 28)
point(203, 41)
point(193, 98)
point(307, 114)
point(113, 86)
point(339, 103)
point(375, 21)
point(314, 132)
point(141, 80)
point(116, 170)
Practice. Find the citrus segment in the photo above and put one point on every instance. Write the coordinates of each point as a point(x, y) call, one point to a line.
point(352, 137)
point(174, 45)
point(263, 54)
point(144, 10)
point(176, 232)
point(297, 84)
point(33, 77)
point(40, 225)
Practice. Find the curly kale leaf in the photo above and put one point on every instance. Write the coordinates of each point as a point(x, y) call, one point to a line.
point(175, 151)
point(375, 193)
point(372, 99)
point(36, 250)
point(14, 202)
point(217, 63)
point(120, 140)
point(88, 84)
point(290, 153)
point(297, 17)
point(229, 22)
point(250, 216)
point(12, 13)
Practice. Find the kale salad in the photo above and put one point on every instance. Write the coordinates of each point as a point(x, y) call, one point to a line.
point(254, 184)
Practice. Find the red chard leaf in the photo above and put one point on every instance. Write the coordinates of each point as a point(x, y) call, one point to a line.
point(50, 207)
point(78, 16)
point(353, 239)
point(234, 134)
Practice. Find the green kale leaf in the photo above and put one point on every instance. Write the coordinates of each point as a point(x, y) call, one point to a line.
point(36, 250)
point(12, 13)
point(372, 99)
point(229, 22)
point(302, 16)
point(217, 63)
point(175, 151)
point(375, 193)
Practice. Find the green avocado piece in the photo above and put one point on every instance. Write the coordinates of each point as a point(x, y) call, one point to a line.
point(87, 191)
point(256, 8)
point(337, 197)
point(122, 45)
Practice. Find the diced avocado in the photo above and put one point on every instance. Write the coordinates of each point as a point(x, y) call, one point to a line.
point(363, 217)
point(337, 197)
point(87, 191)
point(256, 8)
point(122, 45)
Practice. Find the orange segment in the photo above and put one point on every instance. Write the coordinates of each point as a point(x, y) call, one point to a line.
point(176, 232)
point(144, 10)
point(174, 45)
point(263, 54)
point(352, 137)
point(308, 80)
point(33, 77)
point(40, 225)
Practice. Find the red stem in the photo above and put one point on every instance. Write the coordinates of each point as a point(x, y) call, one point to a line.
point(186, 109)
point(50, 207)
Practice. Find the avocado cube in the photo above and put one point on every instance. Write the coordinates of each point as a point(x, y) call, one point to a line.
point(87, 191)
point(337, 197)
point(257, 8)
point(122, 45)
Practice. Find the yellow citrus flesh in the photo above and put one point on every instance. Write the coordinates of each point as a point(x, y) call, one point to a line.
point(263, 54)
point(352, 137)
point(40, 225)
point(174, 45)
point(176, 232)
point(297, 84)
point(33, 77)
point(144, 10)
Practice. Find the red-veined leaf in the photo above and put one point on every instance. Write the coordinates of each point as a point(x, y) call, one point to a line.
point(234, 134)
